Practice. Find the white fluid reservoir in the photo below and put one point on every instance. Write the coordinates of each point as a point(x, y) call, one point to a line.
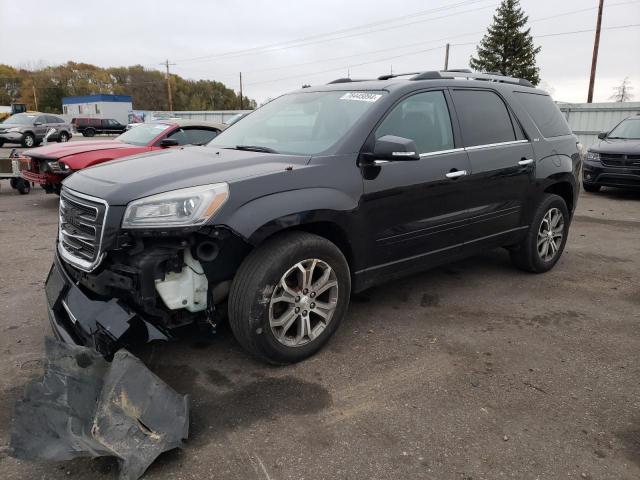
point(187, 289)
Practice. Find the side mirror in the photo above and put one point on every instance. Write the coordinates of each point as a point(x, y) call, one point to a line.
point(169, 142)
point(602, 135)
point(394, 149)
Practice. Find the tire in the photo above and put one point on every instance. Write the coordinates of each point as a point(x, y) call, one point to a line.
point(14, 182)
point(591, 187)
point(63, 137)
point(89, 132)
point(28, 140)
point(527, 255)
point(254, 308)
point(1, 143)
point(23, 186)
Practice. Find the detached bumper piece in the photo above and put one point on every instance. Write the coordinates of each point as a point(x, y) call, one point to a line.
point(104, 326)
point(88, 407)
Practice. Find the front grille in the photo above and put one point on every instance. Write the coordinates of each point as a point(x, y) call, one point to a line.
point(619, 160)
point(82, 221)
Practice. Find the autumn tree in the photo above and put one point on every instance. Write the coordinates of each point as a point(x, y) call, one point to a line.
point(507, 47)
point(148, 88)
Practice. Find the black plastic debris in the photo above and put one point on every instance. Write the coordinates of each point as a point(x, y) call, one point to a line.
point(88, 407)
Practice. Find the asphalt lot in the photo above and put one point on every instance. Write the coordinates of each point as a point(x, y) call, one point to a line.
point(470, 371)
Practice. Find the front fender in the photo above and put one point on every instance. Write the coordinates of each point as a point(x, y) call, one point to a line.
point(262, 217)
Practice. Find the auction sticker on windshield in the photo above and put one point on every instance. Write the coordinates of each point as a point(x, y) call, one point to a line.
point(361, 96)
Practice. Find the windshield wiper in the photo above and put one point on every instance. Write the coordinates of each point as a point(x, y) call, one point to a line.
point(255, 148)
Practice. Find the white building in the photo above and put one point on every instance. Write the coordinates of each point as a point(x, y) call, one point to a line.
point(97, 106)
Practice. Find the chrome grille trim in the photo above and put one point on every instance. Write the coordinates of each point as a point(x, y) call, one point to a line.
point(80, 236)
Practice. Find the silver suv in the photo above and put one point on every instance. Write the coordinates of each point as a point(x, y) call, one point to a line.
point(29, 129)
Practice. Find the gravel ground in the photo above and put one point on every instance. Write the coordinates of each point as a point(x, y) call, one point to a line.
point(470, 371)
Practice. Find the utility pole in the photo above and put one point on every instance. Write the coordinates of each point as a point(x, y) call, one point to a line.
point(35, 98)
point(241, 101)
point(169, 99)
point(446, 57)
point(594, 59)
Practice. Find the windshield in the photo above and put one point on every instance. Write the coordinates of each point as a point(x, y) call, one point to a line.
point(143, 134)
point(299, 123)
point(628, 129)
point(20, 119)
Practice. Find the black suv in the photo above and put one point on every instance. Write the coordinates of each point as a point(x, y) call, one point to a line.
point(615, 160)
point(320, 193)
point(88, 127)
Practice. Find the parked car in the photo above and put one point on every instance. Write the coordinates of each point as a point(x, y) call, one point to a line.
point(29, 129)
point(88, 127)
point(322, 192)
point(615, 160)
point(49, 165)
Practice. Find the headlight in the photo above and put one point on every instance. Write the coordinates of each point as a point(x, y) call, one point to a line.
point(593, 156)
point(178, 208)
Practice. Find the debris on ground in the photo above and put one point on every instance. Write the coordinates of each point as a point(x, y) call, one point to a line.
point(88, 407)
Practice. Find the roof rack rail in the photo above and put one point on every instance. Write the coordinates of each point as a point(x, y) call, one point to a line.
point(464, 73)
point(394, 75)
point(348, 80)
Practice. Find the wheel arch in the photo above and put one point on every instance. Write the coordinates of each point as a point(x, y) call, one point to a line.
point(564, 189)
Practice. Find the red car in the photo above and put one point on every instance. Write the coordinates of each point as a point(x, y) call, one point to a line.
point(51, 164)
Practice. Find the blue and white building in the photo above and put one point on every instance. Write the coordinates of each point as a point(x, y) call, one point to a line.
point(98, 106)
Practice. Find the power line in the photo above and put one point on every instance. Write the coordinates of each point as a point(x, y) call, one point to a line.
point(344, 67)
point(274, 47)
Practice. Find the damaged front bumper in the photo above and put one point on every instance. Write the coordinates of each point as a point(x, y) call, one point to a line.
point(105, 326)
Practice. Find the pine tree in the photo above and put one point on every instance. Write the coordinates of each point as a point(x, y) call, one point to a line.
point(507, 47)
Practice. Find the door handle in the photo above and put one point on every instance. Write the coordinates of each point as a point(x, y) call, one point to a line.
point(456, 174)
point(525, 161)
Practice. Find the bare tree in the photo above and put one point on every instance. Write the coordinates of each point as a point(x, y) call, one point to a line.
point(622, 93)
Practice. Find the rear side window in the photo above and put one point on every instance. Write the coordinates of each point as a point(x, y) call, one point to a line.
point(423, 118)
point(484, 118)
point(200, 136)
point(544, 113)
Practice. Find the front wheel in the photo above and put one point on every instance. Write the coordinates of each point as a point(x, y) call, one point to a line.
point(23, 186)
point(289, 296)
point(28, 140)
point(546, 237)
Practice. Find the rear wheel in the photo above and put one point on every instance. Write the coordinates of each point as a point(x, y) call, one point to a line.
point(542, 247)
point(591, 187)
point(289, 296)
point(28, 140)
point(63, 137)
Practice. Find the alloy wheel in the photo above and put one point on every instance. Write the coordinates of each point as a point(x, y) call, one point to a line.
point(303, 303)
point(550, 234)
point(29, 141)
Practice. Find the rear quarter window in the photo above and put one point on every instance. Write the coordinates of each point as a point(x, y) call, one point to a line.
point(545, 114)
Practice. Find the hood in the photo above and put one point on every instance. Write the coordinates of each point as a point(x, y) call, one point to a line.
point(629, 147)
point(121, 181)
point(61, 150)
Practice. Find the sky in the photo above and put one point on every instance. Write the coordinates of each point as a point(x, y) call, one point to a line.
point(279, 45)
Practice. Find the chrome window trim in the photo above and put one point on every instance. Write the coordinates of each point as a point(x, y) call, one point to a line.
point(499, 144)
point(68, 256)
point(475, 147)
point(441, 152)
